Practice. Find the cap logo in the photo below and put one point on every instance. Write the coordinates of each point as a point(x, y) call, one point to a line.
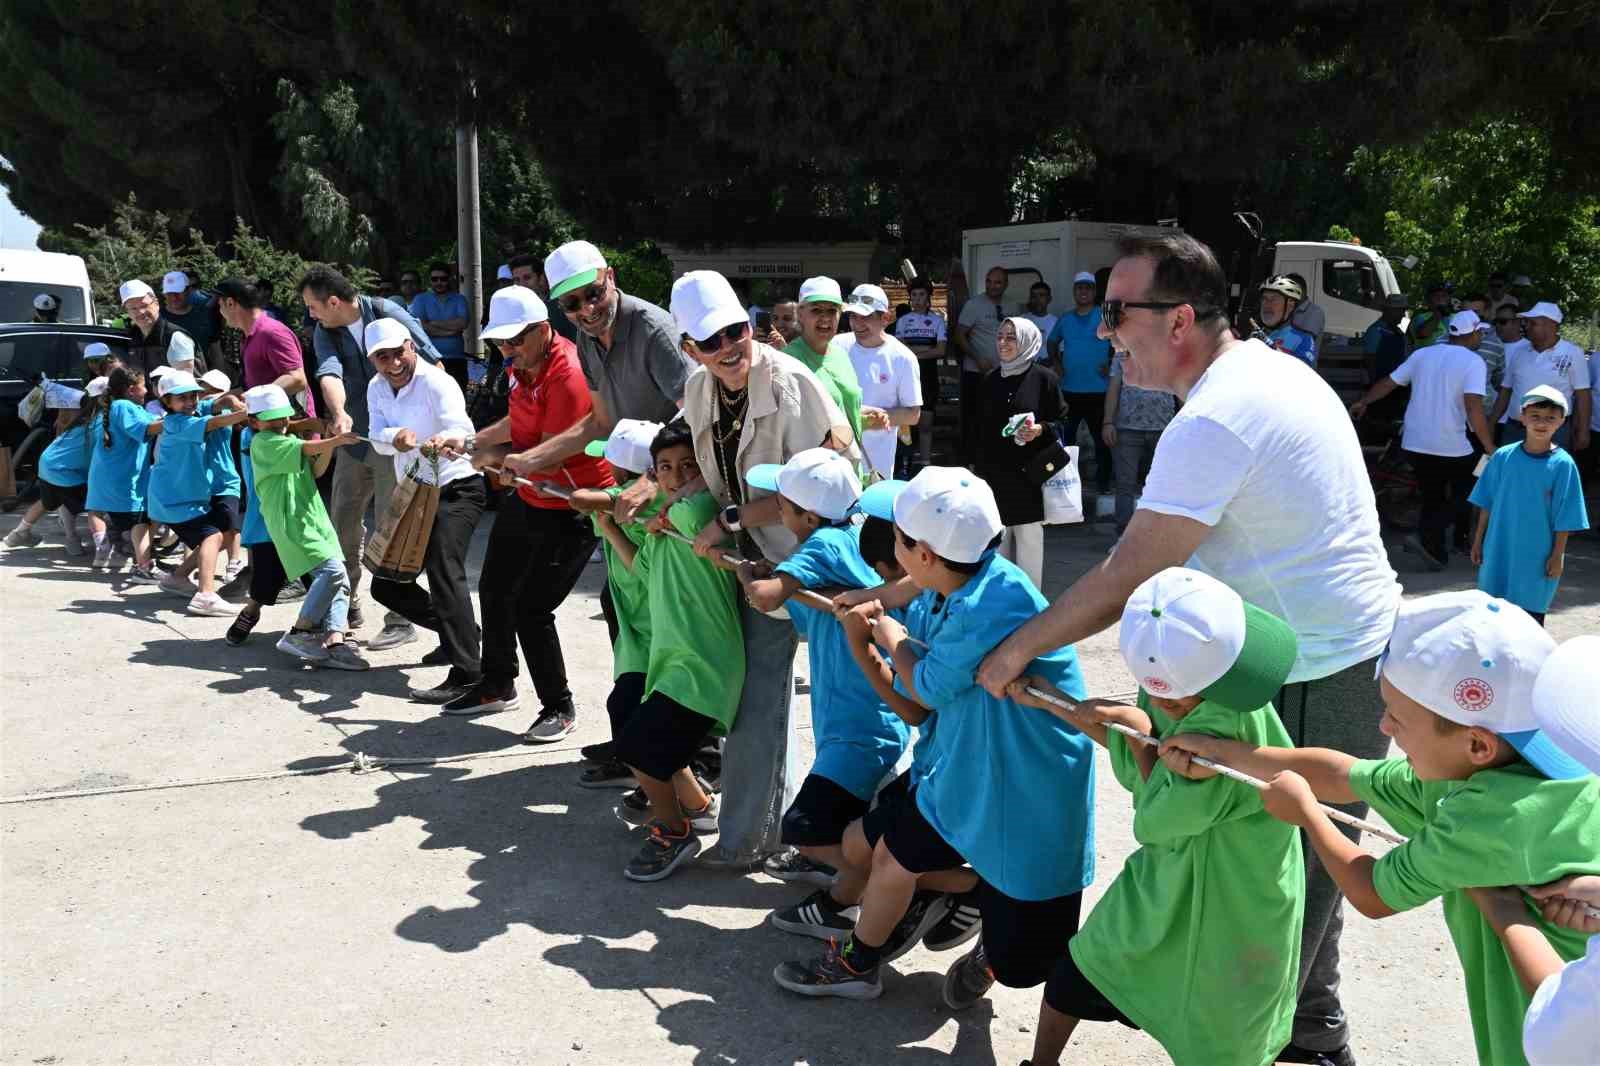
point(1474, 694)
point(1155, 684)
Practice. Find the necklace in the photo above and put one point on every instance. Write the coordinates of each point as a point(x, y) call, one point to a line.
point(735, 409)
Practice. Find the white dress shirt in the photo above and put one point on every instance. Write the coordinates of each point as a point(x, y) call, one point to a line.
point(431, 403)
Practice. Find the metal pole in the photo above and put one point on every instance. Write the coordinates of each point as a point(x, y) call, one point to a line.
point(469, 258)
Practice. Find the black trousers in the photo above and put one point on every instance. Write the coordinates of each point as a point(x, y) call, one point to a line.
point(971, 390)
point(1444, 482)
point(445, 606)
point(535, 557)
point(1089, 407)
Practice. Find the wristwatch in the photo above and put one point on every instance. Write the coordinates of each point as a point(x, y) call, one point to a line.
point(471, 444)
point(728, 518)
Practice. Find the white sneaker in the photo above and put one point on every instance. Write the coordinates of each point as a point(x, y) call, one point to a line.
point(178, 585)
point(235, 568)
point(102, 555)
point(210, 604)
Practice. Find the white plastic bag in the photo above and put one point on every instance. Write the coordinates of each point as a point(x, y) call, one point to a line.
point(1063, 494)
point(31, 407)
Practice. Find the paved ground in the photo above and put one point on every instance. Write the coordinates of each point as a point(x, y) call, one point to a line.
point(466, 913)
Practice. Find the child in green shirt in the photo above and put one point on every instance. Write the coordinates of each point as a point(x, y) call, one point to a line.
point(286, 469)
point(1217, 882)
point(1485, 797)
point(694, 672)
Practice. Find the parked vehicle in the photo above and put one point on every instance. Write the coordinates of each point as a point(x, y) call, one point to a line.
point(29, 351)
point(1051, 251)
point(27, 274)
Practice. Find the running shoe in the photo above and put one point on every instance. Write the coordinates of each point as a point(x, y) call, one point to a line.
point(663, 851)
point(830, 975)
point(818, 915)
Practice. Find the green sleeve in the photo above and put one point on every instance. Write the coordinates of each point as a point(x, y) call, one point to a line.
point(1123, 762)
point(690, 516)
point(1391, 787)
point(276, 453)
point(1172, 807)
point(1460, 846)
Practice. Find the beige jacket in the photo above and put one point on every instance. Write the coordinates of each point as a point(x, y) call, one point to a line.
point(789, 411)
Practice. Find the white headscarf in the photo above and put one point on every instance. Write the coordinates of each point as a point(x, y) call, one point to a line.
point(1029, 341)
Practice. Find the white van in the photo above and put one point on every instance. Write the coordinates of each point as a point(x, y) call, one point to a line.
point(1348, 281)
point(26, 274)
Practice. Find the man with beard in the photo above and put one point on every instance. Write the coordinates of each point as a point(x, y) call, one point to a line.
point(149, 335)
point(975, 335)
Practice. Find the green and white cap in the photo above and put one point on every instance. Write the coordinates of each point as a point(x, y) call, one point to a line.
point(572, 266)
point(628, 446)
point(268, 402)
point(821, 290)
point(1184, 633)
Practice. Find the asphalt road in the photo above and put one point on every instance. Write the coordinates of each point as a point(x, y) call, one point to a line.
point(471, 912)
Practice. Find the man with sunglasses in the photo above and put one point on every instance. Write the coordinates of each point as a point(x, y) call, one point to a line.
point(1259, 481)
point(528, 271)
point(443, 315)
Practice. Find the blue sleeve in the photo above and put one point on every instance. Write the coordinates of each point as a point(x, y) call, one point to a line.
point(810, 563)
point(185, 428)
point(423, 342)
point(970, 633)
point(327, 353)
point(1369, 340)
point(1483, 493)
point(1056, 333)
point(129, 419)
point(1567, 511)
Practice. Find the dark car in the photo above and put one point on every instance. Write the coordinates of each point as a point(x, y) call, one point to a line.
point(29, 351)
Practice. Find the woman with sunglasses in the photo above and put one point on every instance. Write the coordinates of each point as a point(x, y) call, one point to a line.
point(749, 404)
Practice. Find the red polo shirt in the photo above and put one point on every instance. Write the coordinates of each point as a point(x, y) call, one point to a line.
point(542, 404)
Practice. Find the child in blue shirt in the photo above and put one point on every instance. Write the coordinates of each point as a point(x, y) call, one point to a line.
point(63, 469)
point(859, 739)
point(1531, 498)
point(119, 467)
point(180, 488)
point(1006, 790)
point(227, 490)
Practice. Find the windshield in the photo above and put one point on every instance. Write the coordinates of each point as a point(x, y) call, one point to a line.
point(16, 301)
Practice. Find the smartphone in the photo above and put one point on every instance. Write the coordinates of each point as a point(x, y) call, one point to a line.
point(763, 323)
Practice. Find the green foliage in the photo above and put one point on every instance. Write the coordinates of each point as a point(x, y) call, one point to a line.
point(643, 270)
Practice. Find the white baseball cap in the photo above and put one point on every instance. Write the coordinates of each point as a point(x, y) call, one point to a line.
point(1472, 659)
point(268, 402)
point(819, 480)
point(97, 386)
point(948, 507)
point(180, 349)
point(1545, 394)
point(1543, 309)
point(503, 273)
point(1465, 322)
point(820, 290)
point(572, 266)
point(1521, 281)
point(97, 350)
point(512, 310)
point(628, 446)
point(867, 300)
point(176, 384)
point(703, 302)
point(45, 302)
point(160, 372)
point(1558, 1028)
point(1083, 277)
point(59, 397)
point(215, 379)
point(382, 334)
point(175, 281)
point(1184, 633)
point(1564, 699)
point(133, 290)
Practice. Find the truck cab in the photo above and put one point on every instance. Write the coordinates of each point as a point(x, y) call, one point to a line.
point(1348, 281)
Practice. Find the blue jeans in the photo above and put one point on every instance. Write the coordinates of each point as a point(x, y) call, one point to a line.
point(327, 602)
point(761, 769)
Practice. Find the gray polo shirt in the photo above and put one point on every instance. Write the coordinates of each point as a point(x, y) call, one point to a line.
point(642, 375)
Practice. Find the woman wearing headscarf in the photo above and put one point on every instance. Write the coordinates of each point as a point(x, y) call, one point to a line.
point(1016, 460)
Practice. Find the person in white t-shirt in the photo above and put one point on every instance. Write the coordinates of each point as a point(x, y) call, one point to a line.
point(925, 332)
point(1038, 309)
point(891, 387)
point(1259, 481)
point(1447, 384)
point(1545, 359)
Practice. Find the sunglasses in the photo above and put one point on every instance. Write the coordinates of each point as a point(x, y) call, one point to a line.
point(571, 302)
point(726, 335)
point(1111, 310)
point(437, 279)
point(520, 339)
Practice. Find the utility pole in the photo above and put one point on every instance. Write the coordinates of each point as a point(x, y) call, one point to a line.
point(469, 258)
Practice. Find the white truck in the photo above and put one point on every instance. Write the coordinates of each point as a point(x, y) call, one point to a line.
point(1348, 281)
point(27, 274)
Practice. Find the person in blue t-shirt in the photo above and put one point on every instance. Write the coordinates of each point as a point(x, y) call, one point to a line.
point(443, 315)
point(1530, 497)
point(1075, 346)
point(119, 470)
point(1280, 295)
point(180, 488)
point(226, 488)
point(63, 469)
point(1008, 791)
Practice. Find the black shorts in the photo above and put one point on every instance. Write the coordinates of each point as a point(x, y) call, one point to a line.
point(884, 808)
point(123, 521)
point(1070, 992)
point(231, 507)
point(1025, 940)
point(930, 383)
point(71, 497)
point(212, 521)
point(627, 692)
point(915, 844)
point(820, 813)
point(661, 737)
point(266, 573)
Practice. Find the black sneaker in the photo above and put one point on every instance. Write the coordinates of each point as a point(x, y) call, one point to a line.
point(1338, 1057)
point(663, 851)
point(795, 868)
point(453, 687)
point(605, 751)
point(926, 911)
point(829, 975)
point(239, 632)
point(817, 915)
point(609, 774)
point(551, 725)
point(439, 656)
point(960, 924)
point(633, 809)
point(484, 698)
point(968, 981)
point(294, 590)
point(238, 588)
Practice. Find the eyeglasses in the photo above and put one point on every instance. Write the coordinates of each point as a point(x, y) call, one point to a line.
point(726, 335)
point(1111, 310)
point(520, 339)
point(436, 278)
point(571, 302)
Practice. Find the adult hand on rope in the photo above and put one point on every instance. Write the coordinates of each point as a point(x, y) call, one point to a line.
point(1573, 902)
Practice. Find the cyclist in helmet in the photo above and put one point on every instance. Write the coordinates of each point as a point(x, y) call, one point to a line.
point(1431, 326)
point(46, 308)
point(1280, 295)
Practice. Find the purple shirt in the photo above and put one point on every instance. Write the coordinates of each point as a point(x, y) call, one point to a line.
point(269, 351)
